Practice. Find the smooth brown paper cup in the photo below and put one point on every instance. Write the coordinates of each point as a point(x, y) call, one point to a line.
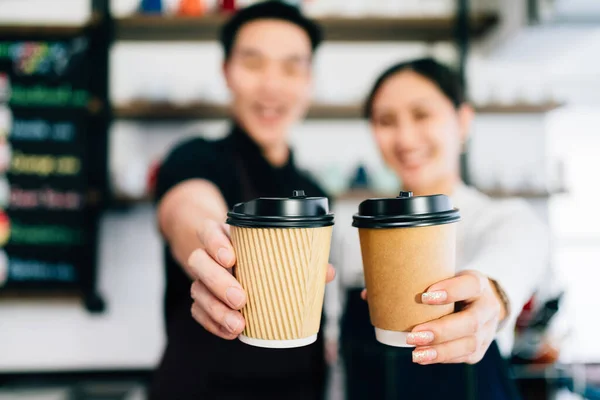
point(283, 272)
point(399, 265)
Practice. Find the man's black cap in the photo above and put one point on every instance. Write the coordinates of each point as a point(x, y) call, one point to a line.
point(268, 10)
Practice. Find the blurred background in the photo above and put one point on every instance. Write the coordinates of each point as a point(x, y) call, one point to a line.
point(94, 93)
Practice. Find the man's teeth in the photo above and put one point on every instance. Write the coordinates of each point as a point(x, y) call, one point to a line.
point(414, 158)
point(269, 112)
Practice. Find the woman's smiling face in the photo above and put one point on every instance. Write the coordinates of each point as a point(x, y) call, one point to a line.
point(418, 130)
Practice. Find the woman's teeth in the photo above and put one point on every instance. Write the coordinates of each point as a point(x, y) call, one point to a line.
point(269, 112)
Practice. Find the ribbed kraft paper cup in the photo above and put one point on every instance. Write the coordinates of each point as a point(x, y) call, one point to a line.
point(282, 264)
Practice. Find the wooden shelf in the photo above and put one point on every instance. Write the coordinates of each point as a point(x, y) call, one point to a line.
point(149, 111)
point(428, 29)
point(332, 111)
point(518, 108)
point(364, 194)
point(28, 30)
point(525, 194)
point(42, 30)
point(48, 295)
point(156, 111)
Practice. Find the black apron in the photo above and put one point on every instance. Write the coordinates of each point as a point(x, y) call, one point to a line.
point(376, 371)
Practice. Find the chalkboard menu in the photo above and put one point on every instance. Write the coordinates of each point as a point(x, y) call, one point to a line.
point(45, 231)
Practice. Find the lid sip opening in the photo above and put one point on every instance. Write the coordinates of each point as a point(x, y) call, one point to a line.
point(298, 193)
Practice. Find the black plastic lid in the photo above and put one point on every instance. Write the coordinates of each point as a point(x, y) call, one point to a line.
point(298, 211)
point(405, 211)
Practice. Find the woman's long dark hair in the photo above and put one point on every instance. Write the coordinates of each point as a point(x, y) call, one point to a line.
point(445, 78)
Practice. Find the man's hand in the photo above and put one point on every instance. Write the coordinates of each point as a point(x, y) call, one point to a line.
point(217, 295)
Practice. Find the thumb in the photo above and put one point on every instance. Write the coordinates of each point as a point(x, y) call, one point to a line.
point(217, 244)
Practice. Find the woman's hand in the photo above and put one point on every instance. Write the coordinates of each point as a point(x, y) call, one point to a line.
point(464, 336)
point(217, 295)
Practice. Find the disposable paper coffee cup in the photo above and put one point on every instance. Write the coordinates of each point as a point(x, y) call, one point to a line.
point(282, 249)
point(408, 244)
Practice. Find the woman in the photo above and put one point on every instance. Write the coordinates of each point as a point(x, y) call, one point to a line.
point(420, 121)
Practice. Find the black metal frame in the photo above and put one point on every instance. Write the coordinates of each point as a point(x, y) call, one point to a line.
point(462, 44)
point(462, 37)
point(533, 11)
point(101, 35)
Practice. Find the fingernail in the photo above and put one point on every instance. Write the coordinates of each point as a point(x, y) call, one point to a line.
point(235, 296)
point(420, 356)
point(225, 257)
point(232, 320)
point(423, 337)
point(434, 297)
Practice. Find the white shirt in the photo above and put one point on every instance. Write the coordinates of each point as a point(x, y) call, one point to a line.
point(502, 239)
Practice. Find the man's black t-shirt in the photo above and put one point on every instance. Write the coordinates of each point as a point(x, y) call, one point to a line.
point(197, 364)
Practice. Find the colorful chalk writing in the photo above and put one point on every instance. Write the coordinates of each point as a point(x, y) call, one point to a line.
point(36, 270)
point(42, 96)
point(44, 164)
point(4, 228)
point(38, 130)
point(4, 50)
point(40, 57)
point(44, 198)
point(44, 234)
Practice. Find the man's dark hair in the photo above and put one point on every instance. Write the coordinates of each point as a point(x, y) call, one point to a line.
point(445, 78)
point(268, 10)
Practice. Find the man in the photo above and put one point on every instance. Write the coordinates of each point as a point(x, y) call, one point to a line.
point(268, 56)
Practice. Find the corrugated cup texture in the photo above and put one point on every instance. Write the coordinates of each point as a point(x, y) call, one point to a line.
point(283, 272)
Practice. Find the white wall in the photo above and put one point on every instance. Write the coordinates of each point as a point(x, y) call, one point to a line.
point(42, 11)
point(54, 335)
point(573, 136)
